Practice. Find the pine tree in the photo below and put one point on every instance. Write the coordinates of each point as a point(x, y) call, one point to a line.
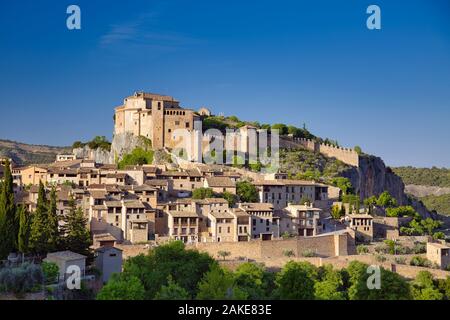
point(24, 229)
point(39, 232)
point(9, 224)
point(77, 236)
point(53, 223)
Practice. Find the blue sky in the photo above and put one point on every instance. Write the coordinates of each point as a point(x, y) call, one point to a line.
point(295, 62)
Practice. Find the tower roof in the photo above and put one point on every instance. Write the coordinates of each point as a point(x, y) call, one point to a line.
point(153, 96)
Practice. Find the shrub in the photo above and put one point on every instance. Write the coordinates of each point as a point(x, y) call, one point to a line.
point(50, 271)
point(400, 260)
point(21, 279)
point(380, 258)
point(403, 211)
point(381, 248)
point(308, 253)
point(288, 253)
point(419, 247)
point(224, 254)
point(138, 156)
point(362, 249)
point(419, 261)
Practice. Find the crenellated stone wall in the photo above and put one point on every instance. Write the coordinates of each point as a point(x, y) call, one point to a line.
point(346, 155)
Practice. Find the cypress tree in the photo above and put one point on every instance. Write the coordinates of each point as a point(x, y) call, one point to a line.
point(53, 223)
point(39, 231)
point(9, 224)
point(77, 236)
point(24, 229)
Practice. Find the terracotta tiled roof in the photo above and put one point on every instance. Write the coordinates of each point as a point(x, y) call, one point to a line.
point(183, 214)
point(222, 182)
point(256, 206)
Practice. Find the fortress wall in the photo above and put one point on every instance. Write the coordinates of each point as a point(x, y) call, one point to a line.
point(346, 155)
point(250, 250)
point(323, 246)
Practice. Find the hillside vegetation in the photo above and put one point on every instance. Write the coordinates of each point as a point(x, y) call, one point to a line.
point(25, 154)
point(307, 165)
point(439, 177)
point(439, 203)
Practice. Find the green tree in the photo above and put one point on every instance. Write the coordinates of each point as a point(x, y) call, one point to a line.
point(420, 226)
point(53, 223)
point(296, 281)
point(402, 211)
point(138, 156)
point(358, 150)
point(331, 285)
point(385, 200)
point(425, 288)
point(77, 237)
point(39, 232)
point(202, 193)
point(247, 192)
point(223, 254)
point(186, 267)
point(336, 212)
point(344, 184)
point(9, 222)
point(282, 128)
point(120, 287)
point(24, 230)
point(371, 203)
point(219, 284)
point(444, 287)
point(231, 198)
point(358, 290)
point(254, 280)
point(172, 291)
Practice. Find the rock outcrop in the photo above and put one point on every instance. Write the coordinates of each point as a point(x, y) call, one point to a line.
point(372, 177)
point(122, 144)
point(99, 155)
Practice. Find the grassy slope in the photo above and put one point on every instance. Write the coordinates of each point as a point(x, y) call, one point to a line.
point(24, 154)
point(439, 177)
point(439, 203)
point(436, 177)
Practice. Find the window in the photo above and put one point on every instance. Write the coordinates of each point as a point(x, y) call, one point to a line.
point(187, 124)
point(220, 229)
point(159, 105)
point(177, 123)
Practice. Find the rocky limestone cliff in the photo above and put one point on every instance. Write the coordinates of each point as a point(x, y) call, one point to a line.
point(99, 155)
point(122, 143)
point(372, 177)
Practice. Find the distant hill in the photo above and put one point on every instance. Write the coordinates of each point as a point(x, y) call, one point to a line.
point(436, 177)
point(25, 154)
point(431, 185)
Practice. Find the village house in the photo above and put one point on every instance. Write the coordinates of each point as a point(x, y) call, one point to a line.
point(281, 192)
point(183, 225)
point(263, 223)
point(362, 224)
point(439, 253)
point(220, 184)
point(243, 225)
point(304, 219)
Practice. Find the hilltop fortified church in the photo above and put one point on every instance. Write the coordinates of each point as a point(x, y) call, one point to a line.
point(155, 117)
